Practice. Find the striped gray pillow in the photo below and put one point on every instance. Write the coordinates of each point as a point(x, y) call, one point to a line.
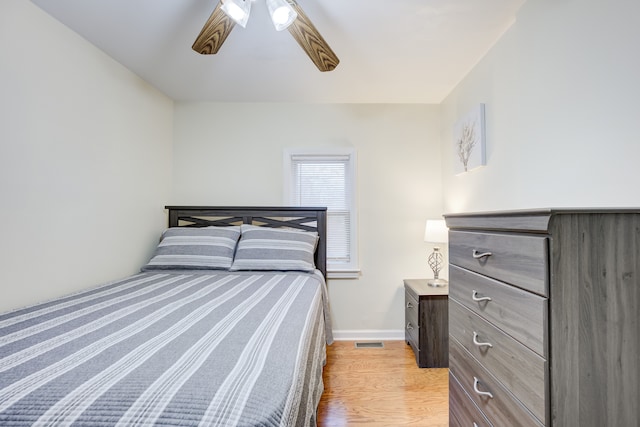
point(262, 248)
point(195, 248)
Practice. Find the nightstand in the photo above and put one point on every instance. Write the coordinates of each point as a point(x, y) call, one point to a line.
point(427, 322)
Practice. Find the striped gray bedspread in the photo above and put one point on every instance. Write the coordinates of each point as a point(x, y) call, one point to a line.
point(169, 349)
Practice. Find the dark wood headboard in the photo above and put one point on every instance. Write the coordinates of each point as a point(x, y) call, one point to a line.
point(299, 218)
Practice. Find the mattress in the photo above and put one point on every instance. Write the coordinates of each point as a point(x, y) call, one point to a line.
point(170, 348)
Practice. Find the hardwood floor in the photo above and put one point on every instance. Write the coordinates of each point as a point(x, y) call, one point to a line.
point(381, 387)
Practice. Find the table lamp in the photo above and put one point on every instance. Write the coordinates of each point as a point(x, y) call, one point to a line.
point(436, 232)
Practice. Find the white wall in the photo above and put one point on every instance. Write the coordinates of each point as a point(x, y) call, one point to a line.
point(562, 93)
point(231, 154)
point(85, 161)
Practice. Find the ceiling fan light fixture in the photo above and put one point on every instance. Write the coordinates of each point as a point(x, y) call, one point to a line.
point(282, 14)
point(238, 10)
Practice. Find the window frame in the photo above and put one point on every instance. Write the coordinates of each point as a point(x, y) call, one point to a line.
point(350, 270)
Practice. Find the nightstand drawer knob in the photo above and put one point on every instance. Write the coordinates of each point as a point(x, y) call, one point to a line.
point(476, 381)
point(480, 344)
point(476, 298)
point(479, 255)
point(409, 326)
point(409, 305)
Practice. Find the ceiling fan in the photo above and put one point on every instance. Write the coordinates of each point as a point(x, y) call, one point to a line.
point(286, 14)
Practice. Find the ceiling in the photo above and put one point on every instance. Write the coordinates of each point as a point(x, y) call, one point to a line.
point(391, 51)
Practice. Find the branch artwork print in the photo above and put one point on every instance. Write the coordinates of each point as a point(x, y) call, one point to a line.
point(468, 141)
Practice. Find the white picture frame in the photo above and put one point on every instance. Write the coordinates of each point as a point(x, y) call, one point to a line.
point(469, 145)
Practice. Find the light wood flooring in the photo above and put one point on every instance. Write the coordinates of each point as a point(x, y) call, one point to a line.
point(381, 387)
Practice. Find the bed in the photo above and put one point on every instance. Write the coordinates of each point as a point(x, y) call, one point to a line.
point(226, 325)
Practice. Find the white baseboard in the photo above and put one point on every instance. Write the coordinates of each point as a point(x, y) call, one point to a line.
point(369, 335)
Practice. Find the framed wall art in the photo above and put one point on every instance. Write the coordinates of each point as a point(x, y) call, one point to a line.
point(469, 141)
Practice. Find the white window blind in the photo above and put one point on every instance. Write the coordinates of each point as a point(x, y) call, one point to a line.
point(327, 179)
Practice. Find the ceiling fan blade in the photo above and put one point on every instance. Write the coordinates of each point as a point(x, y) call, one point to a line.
point(214, 32)
point(311, 41)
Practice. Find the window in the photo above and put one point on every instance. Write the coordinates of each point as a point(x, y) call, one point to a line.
point(327, 178)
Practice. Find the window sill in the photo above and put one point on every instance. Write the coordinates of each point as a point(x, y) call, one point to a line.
point(343, 274)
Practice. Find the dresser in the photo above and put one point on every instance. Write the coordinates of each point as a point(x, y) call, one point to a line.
point(426, 322)
point(544, 318)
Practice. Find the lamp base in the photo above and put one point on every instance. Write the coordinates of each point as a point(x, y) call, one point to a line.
point(436, 283)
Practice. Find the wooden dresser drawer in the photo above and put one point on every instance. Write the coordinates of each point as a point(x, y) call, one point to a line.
point(519, 313)
point(518, 368)
point(499, 406)
point(411, 321)
point(462, 411)
point(520, 260)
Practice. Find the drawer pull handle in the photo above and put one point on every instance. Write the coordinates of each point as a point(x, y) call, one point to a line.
point(409, 326)
point(481, 393)
point(480, 344)
point(476, 298)
point(409, 305)
point(475, 424)
point(478, 255)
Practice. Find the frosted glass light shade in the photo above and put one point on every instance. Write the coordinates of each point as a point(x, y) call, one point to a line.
point(282, 14)
point(436, 231)
point(238, 10)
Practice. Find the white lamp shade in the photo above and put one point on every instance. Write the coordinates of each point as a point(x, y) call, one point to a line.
point(238, 10)
point(436, 231)
point(282, 14)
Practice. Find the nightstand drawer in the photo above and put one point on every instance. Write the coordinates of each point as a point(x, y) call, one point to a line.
point(462, 411)
point(519, 313)
point(411, 325)
point(520, 260)
point(519, 369)
point(499, 406)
